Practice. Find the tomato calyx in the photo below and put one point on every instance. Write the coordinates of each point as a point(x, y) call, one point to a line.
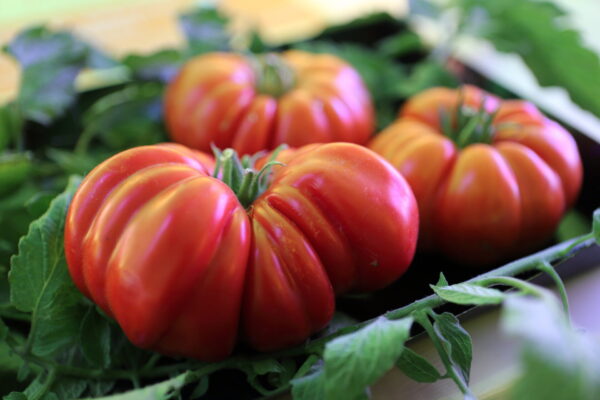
point(274, 77)
point(468, 125)
point(240, 175)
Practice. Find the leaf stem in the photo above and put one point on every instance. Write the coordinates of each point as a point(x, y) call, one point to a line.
point(423, 319)
point(560, 285)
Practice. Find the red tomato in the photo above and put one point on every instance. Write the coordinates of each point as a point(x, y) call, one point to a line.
point(257, 104)
point(494, 192)
point(171, 253)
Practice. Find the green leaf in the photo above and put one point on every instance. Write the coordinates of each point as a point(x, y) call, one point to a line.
point(3, 330)
point(15, 396)
point(40, 281)
point(467, 293)
point(400, 44)
point(268, 365)
point(573, 224)
point(424, 75)
point(161, 66)
point(95, 337)
point(39, 203)
point(417, 367)
point(74, 163)
point(456, 341)
point(127, 118)
point(442, 281)
point(158, 391)
point(11, 123)
point(596, 226)
point(15, 168)
point(50, 63)
point(100, 388)
point(309, 387)
point(205, 30)
point(537, 31)
point(201, 388)
point(356, 360)
point(23, 372)
point(558, 362)
point(69, 388)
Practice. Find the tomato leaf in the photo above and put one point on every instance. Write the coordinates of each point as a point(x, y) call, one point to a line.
point(204, 29)
point(201, 388)
point(596, 226)
point(94, 338)
point(537, 32)
point(354, 361)
point(40, 283)
point(159, 391)
point(573, 224)
point(417, 367)
point(456, 341)
point(160, 66)
point(469, 294)
point(50, 63)
point(442, 281)
point(558, 362)
point(310, 386)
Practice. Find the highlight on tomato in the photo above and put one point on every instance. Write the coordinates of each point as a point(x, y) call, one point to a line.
point(189, 264)
point(258, 102)
point(492, 177)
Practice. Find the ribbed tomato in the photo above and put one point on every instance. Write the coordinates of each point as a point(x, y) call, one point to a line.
point(492, 177)
point(183, 265)
point(258, 103)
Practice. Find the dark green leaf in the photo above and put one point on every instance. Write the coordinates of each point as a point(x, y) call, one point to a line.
point(417, 367)
point(457, 342)
point(69, 388)
point(160, 66)
point(356, 360)
point(536, 31)
point(425, 75)
point(11, 123)
point(39, 203)
point(100, 388)
point(400, 44)
point(40, 282)
point(596, 226)
point(23, 372)
point(3, 330)
point(15, 396)
point(262, 367)
point(469, 294)
point(205, 30)
point(95, 338)
point(127, 118)
point(50, 63)
point(573, 224)
point(201, 388)
point(15, 168)
point(73, 163)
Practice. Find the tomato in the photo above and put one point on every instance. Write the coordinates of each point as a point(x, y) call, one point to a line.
point(258, 103)
point(186, 269)
point(492, 177)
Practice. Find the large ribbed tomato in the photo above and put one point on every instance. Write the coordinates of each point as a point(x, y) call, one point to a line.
point(492, 177)
point(258, 103)
point(182, 265)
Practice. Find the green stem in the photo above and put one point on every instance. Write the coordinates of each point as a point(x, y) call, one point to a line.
point(81, 147)
point(560, 285)
point(423, 319)
point(524, 287)
point(47, 385)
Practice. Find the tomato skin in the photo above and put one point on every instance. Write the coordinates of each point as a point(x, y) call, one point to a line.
point(172, 255)
point(214, 99)
point(484, 203)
